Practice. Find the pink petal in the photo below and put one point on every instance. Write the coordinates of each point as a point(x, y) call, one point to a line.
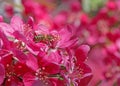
point(6, 43)
point(81, 53)
point(28, 79)
point(87, 74)
point(30, 21)
point(2, 73)
point(7, 29)
point(20, 55)
point(17, 23)
point(32, 62)
point(1, 18)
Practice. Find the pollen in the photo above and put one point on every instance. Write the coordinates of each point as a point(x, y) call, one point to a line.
point(40, 74)
point(19, 66)
point(9, 80)
point(7, 65)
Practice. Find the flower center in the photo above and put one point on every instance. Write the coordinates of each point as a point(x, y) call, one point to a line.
point(41, 75)
point(19, 44)
point(10, 72)
point(77, 73)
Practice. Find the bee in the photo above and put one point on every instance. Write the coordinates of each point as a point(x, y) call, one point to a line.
point(43, 38)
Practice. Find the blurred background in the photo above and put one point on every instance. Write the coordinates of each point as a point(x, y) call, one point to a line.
point(12, 7)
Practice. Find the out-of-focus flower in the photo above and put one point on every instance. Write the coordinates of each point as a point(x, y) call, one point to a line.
point(9, 10)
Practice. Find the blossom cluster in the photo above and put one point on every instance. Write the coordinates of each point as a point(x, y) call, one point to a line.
point(99, 29)
point(35, 55)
